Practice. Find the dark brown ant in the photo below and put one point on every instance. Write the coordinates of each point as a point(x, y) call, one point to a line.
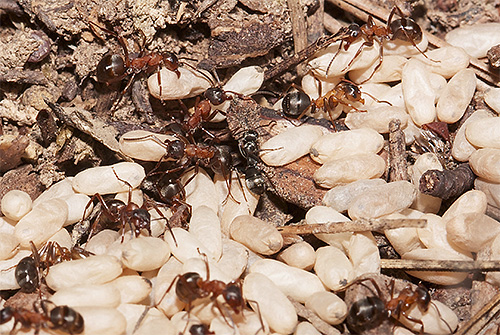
point(371, 311)
point(114, 68)
point(249, 149)
point(60, 318)
point(296, 103)
point(190, 286)
point(117, 212)
point(31, 269)
point(404, 29)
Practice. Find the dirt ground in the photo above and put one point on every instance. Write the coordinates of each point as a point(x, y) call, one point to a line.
point(56, 118)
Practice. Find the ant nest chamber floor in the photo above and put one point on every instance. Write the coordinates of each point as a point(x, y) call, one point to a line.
point(249, 167)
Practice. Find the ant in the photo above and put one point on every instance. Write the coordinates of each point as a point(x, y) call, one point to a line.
point(61, 318)
point(249, 149)
point(296, 103)
point(190, 286)
point(114, 68)
point(371, 311)
point(29, 271)
point(404, 29)
point(117, 212)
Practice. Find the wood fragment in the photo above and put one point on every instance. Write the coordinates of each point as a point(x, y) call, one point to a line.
point(481, 318)
point(398, 167)
point(352, 226)
point(23, 76)
point(447, 183)
point(439, 265)
point(299, 29)
point(315, 320)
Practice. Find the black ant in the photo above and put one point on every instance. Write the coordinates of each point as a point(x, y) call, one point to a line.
point(60, 318)
point(404, 29)
point(114, 68)
point(371, 311)
point(296, 103)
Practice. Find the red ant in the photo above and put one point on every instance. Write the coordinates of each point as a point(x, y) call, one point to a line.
point(117, 212)
point(371, 311)
point(29, 271)
point(190, 287)
point(60, 318)
point(296, 103)
point(113, 68)
point(404, 29)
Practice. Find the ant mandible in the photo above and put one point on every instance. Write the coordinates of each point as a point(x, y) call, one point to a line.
point(113, 68)
point(61, 318)
point(403, 29)
point(371, 311)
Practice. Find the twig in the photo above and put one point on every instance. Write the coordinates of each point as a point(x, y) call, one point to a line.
point(320, 325)
point(481, 318)
point(299, 28)
point(352, 226)
point(448, 183)
point(23, 76)
point(439, 265)
point(398, 169)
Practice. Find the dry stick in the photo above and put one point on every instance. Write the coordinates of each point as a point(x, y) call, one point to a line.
point(315, 320)
point(352, 226)
point(481, 318)
point(299, 28)
point(398, 169)
point(448, 183)
point(363, 8)
point(439, 265)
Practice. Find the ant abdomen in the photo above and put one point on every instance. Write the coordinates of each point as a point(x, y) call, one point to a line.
point(365, 314)
point(295, 103)
point(26, 274)
point(111, 69)
point(406, 29)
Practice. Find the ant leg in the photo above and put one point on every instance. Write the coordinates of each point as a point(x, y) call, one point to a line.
point(368, 43)
point(262, 326)
point(441, 318)
point(335, 56)
point(413, 319)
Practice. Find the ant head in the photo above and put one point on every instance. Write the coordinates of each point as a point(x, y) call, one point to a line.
point(115, 207)
point(216, 95)
point(111, 68)
point(406, 29)
point(295, 103)
point(233, 297)
point(351, 90)
point(365, 314)
point(141, 219)
point(6, 314)
point(175, 149)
